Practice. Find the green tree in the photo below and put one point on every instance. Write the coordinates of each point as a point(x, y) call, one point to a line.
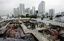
point(27, 15)
point(33, 16)
point(57, 16)
point(22, 16)
point(51, 18)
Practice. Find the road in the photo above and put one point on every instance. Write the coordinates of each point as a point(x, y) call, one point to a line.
point(35, 32)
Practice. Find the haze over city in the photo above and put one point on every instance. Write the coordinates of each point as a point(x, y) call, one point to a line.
point(31, 20)
point(6, 6)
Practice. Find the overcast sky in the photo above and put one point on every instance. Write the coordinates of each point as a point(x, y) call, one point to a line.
point(6, 6)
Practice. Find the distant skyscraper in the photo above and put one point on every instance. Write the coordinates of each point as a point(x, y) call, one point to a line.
point(51, 12)
point(33, 10)
point(15, 12)
point(41, 8)
point(27, 11)
point(22, 9)
point(18, 11)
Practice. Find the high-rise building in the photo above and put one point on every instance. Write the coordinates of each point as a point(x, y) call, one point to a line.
point(41, 8)
point(51, 12)
point(22, 9)
point(27, 11)
point(18, 11)
point(33, 10)
point(15, 12)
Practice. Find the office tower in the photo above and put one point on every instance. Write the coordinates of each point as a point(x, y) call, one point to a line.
point(41, 8)
point(33, 10)
point(15, 12)
point(51, 12)
point(27, 11)
point(18, 11)
point(22, 9)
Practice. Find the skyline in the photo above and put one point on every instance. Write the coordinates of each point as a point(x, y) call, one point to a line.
point(6, 6)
